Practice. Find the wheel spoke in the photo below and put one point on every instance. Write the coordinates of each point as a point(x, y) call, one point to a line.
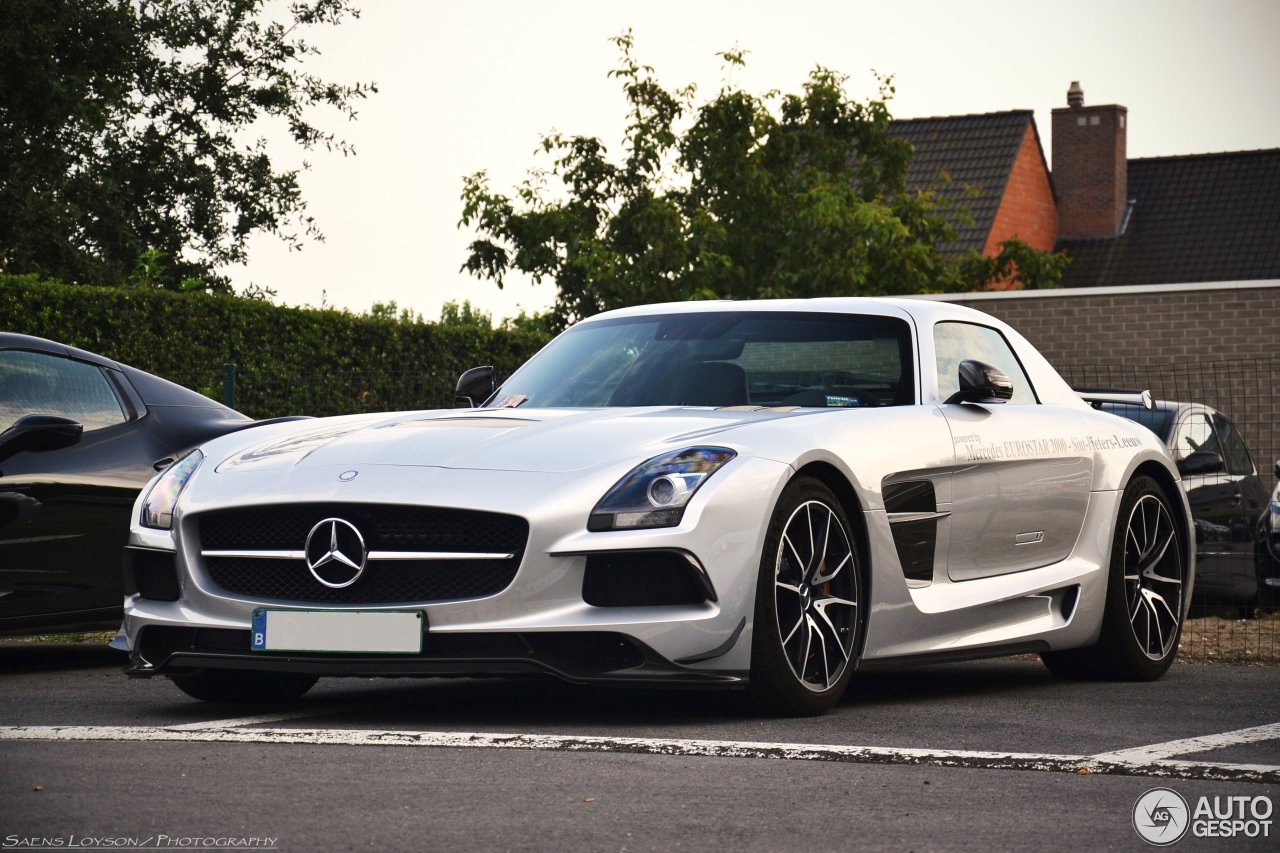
point(836, 570)
point(1150, 562)
point(826, 669)
point(1150, 616)
point(787, 587)
point(813, 545)
point(1155, 596)
point(800, 564)
point(835, 635)
point(792, 632)
point(808, 640)
point(826, 540)
point(1155, 617)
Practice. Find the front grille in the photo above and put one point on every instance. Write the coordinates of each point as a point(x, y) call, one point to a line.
point(384, 528)
point(383, 582)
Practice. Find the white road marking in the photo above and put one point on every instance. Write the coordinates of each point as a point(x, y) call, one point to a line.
point(261, 718)
point(660, 746)
point(1157, 751)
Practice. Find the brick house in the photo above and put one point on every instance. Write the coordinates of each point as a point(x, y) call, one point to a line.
point(1145, 221)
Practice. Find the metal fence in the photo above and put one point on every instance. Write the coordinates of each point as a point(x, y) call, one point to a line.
point(1234, 618)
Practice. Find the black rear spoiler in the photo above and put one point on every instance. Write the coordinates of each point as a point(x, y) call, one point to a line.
point(1122, 396)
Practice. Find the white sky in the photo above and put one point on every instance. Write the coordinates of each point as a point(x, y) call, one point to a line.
point(470, 86)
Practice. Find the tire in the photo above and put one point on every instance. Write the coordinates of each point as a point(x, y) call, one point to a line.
point(244, 686)
point(799, 593)
point(1142, 619)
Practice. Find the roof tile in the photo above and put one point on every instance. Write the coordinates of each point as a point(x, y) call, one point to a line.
point(975, 151)
point(1199, 217)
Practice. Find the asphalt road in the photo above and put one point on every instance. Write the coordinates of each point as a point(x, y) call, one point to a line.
point(345, 794)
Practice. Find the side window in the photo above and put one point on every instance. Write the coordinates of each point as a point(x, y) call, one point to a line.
point(33, 383)
point(956, 342)
point(1195, 435)
point(1237, 456)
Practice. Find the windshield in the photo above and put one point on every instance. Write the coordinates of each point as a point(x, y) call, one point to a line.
point(747, 358)
point(1157, 421)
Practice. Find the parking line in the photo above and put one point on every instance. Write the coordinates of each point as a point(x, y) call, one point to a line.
point(261, 718)
point(659, 746)
point(1187, 746)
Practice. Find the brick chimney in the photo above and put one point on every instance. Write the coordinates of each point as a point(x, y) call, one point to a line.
point(1090, 166)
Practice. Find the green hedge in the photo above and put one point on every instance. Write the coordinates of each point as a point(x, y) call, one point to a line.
point(289, 360)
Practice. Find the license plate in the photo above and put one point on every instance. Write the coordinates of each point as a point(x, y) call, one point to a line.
point(354, 631)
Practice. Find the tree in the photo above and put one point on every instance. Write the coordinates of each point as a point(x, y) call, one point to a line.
point(742, 197)
point(464, 315)
point(122, 128)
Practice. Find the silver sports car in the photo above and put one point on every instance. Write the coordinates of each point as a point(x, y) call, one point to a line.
point(766, 495)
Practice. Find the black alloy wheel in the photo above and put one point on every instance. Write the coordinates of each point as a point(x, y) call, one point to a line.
point(1145, 598)
point(1152, 577)
point(808, 612)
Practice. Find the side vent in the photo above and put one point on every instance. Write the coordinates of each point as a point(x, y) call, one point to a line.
point(912, 508)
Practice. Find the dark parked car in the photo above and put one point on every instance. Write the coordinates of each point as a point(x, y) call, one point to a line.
point(1237, 519)
point(80, 435)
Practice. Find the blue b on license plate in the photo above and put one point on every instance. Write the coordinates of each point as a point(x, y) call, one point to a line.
point(352, 631)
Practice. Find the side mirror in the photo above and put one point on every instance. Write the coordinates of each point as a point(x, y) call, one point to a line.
point(39, 433)
point(1278, 469)
point(1201, 463)
point(982, 383)
point(475, 386)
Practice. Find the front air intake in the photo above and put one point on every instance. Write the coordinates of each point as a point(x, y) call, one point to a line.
point(644, 579)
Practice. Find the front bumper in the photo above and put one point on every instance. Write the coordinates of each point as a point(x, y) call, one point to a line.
point(575, 656)
point(532, 626)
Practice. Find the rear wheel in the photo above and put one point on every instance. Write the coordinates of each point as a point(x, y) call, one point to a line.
point(244, 686)
point(1142, 621)
point(808, 610)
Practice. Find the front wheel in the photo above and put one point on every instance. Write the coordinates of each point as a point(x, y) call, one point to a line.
point(1142, 619)
point(808, 610)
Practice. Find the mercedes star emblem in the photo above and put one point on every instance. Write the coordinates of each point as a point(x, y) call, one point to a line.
point(335, 553)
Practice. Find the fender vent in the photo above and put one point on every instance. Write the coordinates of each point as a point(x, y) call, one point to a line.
point(912, 508)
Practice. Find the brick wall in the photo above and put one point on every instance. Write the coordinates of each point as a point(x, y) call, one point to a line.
point(1210, 345)
point(1090, 169)
point(1146, 328)
point(1027, 210)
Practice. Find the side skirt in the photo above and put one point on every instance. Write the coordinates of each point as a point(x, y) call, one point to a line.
point(1033, 647)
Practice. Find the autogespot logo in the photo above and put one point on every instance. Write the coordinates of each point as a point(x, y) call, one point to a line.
point(1161, 817)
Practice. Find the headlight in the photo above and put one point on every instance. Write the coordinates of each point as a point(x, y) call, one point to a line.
point(162, 497)
point(655, 494)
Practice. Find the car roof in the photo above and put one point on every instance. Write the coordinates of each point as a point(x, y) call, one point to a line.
point(12, 340)
point(923, 310)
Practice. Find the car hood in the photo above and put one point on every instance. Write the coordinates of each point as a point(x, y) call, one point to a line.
point(541, 440)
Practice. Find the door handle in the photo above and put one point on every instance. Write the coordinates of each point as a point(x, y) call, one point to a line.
point(1235, 498)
